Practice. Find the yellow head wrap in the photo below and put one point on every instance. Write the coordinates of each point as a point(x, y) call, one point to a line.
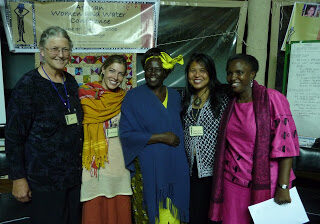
point(167, 61)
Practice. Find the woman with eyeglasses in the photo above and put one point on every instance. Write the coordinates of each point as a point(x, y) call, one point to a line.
point(152, 141)
point(105, 188)
point(44, 135)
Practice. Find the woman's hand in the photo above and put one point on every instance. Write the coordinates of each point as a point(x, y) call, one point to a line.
point(282, 196)
point(21, 190)
point(168, 138)
point(171, 139)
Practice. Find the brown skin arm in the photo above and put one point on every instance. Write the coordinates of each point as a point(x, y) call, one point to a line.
point(282, 196)
point(168, 138)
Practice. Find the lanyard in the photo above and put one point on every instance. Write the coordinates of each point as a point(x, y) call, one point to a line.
point(66, 102)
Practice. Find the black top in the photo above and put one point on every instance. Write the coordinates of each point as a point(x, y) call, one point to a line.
point(39, 144)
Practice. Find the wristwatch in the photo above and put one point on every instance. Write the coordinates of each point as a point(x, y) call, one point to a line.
point(283, 186)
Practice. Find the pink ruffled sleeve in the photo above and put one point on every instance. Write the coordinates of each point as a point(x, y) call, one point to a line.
point(283, 129)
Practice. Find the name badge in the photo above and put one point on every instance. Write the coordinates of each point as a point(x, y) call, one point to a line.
point(112, 132)
point(71, 119)
point(196, 130)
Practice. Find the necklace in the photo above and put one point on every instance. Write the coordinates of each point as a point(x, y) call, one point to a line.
point(195, 115)
point(197, 100)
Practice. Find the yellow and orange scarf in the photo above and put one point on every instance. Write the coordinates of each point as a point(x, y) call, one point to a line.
point(99, 105)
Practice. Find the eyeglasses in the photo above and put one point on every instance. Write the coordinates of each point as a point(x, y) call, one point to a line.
point(56, 50)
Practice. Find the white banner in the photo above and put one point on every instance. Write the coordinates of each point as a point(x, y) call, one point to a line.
point(93, 26)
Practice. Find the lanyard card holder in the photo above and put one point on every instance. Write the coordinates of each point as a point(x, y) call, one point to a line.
point(71, 119)
point(112, 132)
point(196, 131)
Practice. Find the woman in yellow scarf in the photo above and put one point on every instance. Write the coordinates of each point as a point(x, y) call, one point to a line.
point(105, 188)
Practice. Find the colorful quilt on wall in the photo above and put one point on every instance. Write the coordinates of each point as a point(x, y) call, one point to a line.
point(85, 67)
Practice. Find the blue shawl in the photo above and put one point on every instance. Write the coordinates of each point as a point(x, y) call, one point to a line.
point(164, 168)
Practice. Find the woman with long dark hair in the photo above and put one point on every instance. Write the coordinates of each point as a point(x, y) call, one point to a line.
point(203, 105)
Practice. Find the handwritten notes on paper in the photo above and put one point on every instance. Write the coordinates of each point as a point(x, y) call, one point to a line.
point(304, 88)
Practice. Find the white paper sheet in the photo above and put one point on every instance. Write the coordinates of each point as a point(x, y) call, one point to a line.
point(270, 212)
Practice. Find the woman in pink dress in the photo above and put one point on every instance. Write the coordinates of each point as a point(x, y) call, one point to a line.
point(256, 143)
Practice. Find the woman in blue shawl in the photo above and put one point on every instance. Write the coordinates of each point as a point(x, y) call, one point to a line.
point(152, 141)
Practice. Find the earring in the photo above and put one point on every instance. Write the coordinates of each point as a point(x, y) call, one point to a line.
point(251, 83)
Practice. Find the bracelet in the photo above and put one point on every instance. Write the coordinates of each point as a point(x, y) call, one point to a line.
point(283, 186)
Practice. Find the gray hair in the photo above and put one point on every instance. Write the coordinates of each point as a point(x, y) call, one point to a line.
point(54, 31)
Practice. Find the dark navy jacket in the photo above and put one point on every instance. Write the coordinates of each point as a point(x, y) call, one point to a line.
point(40, 146)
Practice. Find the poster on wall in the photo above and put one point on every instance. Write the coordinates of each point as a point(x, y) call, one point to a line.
point(304, 89)
point(304, 23)
point(93, 26)
point(85, 67)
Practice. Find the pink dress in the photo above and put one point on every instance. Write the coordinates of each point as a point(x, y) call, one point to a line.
point(241, 134)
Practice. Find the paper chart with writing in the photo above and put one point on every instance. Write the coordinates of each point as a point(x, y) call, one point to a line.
point(304, 88)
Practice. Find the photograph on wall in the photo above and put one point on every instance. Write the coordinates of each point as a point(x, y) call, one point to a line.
point(304, 23)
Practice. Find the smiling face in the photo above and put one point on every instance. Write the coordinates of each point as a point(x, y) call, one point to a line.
point(311, 11)
point(198, 76)
point(154, 73)
point(56, 53)
point(113, 76)
point(239, 75)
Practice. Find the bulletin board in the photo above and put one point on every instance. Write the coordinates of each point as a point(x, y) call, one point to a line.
point(303, 25)
point(303, 90)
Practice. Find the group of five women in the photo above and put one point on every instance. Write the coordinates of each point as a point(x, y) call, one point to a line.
point(224, 148)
